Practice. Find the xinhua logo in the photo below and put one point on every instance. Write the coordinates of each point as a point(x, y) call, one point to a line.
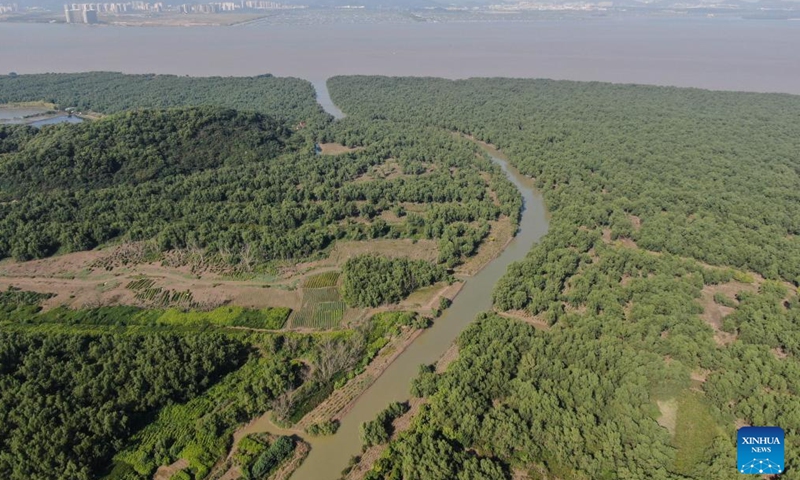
point(760, 450)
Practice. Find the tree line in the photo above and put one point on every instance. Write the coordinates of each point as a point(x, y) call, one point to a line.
point(290, 99)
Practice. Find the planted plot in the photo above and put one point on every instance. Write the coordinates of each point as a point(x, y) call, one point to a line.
point(319, 295)
point(328, 314)
point(141, 284)
point(322, 308)
point(322, 280)
point(159, 297)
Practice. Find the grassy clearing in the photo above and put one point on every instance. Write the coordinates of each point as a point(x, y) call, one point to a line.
point(125, 316)
point(336, 149)
point(695, 429)
point(19, 105)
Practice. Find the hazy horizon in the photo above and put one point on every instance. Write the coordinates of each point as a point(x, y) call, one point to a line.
point(759, 56)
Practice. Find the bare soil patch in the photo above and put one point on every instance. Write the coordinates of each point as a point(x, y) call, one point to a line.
point(166, 472)
point(450, 356)
point(537, 321)
point(669, 414)
point(232, 474)
point(622, 241)
point(426, 300)
point(388, 170)
point(699, 375)
point(779, 353)
point(519, 474)
point(390, 217)
point(391, 248)
point(95, 288)
point(740, 422)
point(336, 149)
point(714, 313)
point(78, 281)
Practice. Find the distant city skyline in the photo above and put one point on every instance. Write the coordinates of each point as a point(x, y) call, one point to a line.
point(441, 3)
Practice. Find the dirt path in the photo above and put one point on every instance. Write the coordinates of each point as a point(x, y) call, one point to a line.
point(166, 472)
point(537, 321)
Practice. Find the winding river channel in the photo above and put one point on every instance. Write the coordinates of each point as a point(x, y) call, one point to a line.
point(329, 455)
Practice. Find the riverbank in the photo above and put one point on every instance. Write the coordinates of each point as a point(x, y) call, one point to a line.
point(329, 455)
point(388, 376)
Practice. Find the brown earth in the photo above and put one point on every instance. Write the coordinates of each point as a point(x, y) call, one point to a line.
point(537, 321)
point(636, 222)
point(449, 356)
point(779, 353)
point(77, 281)
point(426, 300)
point(387, 170)
point(669, 414)
point(714, 313)
point(336, 149)
point(699, 375)
point(94, 287)
point(166, 472)
point(232, 474)
point(391, 248)
point(519, 474)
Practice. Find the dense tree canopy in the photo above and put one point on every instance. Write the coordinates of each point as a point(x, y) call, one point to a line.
point(711, 175)
point(137, 147)
point(69, 402)
point(184, 164)
point(289, 99)
point(241, 186)
point(371, 280)
point(664, 203)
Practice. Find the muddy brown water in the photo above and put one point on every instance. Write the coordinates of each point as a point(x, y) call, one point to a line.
point(330, 455)
point(715, 53)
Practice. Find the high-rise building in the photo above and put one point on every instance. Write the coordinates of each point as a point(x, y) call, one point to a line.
point(80, 13)
point(72, 14)
point(90, 16)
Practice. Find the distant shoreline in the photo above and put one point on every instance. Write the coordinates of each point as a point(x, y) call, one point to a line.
point(337, 16)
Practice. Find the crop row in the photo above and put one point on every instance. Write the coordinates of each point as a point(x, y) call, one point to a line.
point(141, 284)
point(157, 296)
point(322, 315)
point(317, 295)
point(322, 280)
